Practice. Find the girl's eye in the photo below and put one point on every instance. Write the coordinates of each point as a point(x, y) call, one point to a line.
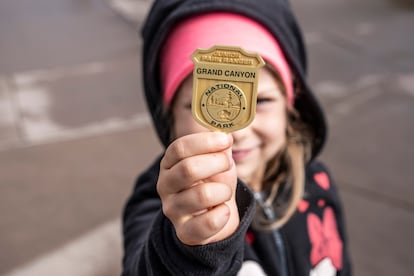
point(263, 100)
point(187, 106)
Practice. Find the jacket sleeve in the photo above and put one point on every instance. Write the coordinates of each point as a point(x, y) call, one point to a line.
point(152, 248)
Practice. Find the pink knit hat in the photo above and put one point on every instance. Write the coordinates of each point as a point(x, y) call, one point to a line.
point(207, 30)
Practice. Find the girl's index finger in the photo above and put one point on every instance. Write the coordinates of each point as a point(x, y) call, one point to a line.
point(195, 144)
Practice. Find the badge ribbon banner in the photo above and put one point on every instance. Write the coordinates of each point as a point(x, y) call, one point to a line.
point(225, 81)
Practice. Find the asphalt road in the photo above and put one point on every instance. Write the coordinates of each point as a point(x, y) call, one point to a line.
point(74, 130)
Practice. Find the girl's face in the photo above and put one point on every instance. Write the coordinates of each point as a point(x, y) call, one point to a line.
point(254, 145)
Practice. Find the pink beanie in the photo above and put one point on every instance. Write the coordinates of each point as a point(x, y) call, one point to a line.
point(205, 31)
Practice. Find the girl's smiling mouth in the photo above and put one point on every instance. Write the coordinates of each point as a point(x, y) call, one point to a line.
point(241, 154)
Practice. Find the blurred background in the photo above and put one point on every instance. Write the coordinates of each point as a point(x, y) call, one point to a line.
point(74, 129)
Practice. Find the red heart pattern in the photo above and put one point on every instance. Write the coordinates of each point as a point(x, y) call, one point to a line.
point(323, 180)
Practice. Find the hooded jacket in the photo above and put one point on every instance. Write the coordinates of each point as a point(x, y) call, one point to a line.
point(313, 242)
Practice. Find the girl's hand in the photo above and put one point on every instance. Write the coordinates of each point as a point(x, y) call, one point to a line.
point(197, 186)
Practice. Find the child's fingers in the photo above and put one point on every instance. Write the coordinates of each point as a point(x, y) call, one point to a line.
point(191, 171)
point(195, 144)
point(197, 168)
point(200, 229)
point(197, 199)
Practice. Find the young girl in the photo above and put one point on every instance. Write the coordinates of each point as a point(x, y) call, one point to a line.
point(252, 202)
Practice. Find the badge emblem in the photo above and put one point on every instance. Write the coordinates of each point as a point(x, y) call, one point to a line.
point(225, 87)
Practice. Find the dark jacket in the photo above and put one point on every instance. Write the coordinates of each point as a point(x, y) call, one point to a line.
point(315, 234)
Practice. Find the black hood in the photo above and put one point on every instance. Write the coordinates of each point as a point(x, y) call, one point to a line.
point(276, 15)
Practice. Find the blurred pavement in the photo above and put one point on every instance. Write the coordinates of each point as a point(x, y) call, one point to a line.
point(74, 130)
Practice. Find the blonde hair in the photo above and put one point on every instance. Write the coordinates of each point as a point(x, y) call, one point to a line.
point(284, 178)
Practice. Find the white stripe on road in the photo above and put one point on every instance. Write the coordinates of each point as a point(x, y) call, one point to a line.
point(47, 132)
point(28, 108)
point(34, 76)
point(98, 252)
point(7, 114)
point(131, 10)
point(346, 106)
point(406, 83)
point(111, 125)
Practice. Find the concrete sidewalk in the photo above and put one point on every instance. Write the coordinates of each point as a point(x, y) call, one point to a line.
point(74, 130)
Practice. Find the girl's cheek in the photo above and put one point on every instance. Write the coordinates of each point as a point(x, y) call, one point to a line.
point(187, 125)
point(270, 118)
point(271, 124)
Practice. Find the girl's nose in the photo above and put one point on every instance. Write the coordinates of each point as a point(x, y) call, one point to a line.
point(241, 134)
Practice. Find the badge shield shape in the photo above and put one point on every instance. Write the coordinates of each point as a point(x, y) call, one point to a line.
point(225, 80)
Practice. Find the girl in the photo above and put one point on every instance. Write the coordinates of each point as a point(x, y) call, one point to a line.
point(253, 202)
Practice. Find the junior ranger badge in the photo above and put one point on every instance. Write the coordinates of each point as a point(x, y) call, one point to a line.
point(225, 87)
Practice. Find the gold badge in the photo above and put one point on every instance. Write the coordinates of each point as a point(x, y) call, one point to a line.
point(225, 87)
